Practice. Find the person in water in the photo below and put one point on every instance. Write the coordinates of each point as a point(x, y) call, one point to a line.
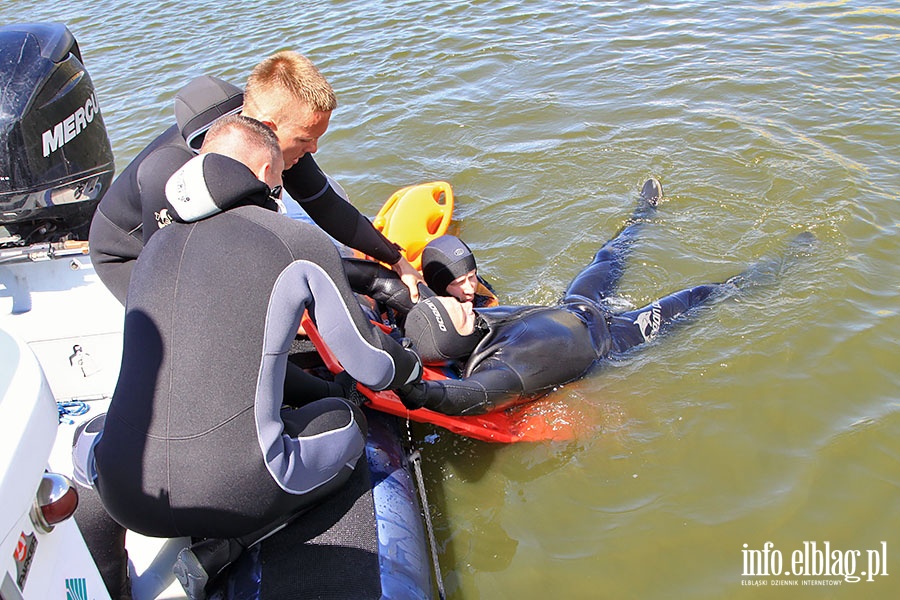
point(448, 267)
point(196, 441)
point(287, 93)
point(510, 354)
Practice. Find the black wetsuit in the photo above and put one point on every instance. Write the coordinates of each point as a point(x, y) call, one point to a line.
point(527, 350)
point(196, 441)
point(126, 216)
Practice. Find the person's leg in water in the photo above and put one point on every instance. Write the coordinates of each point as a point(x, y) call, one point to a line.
point(767, 270)
point(598, 280)
point(638, 326)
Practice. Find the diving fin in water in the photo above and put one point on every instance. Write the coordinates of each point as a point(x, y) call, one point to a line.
point(766, 270)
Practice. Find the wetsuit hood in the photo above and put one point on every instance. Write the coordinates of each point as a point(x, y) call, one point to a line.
point(443, 260)
point(435, 338)
point(212, 183)
point(200, 103)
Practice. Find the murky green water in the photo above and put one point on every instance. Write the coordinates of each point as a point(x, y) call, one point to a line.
point(775, 416)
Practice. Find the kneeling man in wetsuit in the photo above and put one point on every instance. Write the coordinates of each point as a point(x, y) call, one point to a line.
point(513, 353)
point(196, 441)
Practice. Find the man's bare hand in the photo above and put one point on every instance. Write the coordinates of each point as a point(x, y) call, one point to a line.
point(409, 276)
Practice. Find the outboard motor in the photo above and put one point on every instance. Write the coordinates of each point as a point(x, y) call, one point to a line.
point(56, 161)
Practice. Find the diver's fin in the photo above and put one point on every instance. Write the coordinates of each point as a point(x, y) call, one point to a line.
point(767, 269)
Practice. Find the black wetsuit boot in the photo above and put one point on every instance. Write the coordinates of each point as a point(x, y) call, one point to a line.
point(598, 280)
point(202, 562)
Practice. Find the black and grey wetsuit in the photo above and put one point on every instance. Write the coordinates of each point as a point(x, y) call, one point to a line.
point(196, 441)
point(126, 217)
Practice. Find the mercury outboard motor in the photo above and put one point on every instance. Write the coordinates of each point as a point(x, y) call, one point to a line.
point(56, 161)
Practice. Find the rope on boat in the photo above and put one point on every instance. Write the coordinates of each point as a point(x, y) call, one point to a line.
point(71, 408)
point(416, 459)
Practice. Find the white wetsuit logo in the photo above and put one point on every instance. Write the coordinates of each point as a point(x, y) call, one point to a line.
point(649, 321)
point(163, 218)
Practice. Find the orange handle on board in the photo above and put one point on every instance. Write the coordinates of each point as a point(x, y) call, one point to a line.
point(415, 215)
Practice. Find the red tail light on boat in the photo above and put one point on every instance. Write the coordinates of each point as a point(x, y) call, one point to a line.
point(56, 501)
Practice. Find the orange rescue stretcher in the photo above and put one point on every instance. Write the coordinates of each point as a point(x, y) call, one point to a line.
point(412, 217)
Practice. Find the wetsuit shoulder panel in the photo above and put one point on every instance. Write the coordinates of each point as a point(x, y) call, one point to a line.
point(118, 227)
point(152, 175)
point(122, 203)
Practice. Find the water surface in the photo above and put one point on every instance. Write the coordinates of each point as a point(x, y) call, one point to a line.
point(773, 417)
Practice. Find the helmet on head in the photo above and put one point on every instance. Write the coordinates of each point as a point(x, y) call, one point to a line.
point(443, 260)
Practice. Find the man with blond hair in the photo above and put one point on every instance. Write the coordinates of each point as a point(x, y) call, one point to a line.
point(287, 93)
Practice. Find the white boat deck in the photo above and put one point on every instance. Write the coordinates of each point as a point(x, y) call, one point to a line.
point(56, 303)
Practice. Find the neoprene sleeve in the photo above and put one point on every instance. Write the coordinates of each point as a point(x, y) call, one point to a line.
point(308, 185)
point(481, 393)
point(378, 282)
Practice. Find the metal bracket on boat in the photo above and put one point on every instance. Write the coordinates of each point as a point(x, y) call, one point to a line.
point(43, 251)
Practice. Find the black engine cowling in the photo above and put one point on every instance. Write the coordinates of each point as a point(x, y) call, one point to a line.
point(56, 161)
